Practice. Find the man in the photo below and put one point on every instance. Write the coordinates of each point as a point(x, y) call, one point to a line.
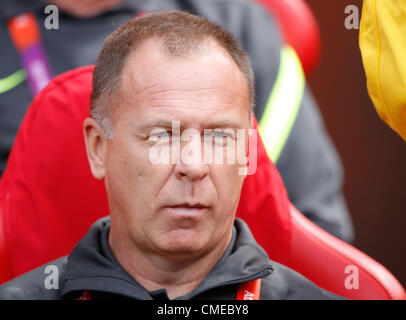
point(306, 159)
point(172, 232)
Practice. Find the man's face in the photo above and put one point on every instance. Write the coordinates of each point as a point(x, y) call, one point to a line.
point(174, 208)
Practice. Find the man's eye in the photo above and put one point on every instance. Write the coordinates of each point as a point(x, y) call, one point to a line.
point(158, 136)
point(219, 134)
point(219, 137)
point(222, 134)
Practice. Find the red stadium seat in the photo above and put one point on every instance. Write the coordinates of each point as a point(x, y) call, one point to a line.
point(299, 28)
point(48, 200)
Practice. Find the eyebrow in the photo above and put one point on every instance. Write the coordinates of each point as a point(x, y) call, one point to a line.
point(208, 125)
point(157, 123)
point(222, 124)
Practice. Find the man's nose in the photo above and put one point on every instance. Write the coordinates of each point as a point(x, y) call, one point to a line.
point(191, 164)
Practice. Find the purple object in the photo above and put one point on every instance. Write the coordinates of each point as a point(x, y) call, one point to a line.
point(35, 63)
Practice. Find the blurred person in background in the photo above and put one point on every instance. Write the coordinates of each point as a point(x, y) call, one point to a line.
point(294, 135)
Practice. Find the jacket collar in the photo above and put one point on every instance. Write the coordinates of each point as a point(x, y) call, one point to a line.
point(91, 265)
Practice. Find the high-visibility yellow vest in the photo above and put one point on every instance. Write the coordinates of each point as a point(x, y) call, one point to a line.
point(383, 47)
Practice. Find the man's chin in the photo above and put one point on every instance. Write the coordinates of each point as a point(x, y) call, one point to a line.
point(184, 243)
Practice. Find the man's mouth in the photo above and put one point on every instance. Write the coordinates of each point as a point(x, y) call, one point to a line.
point(188, 208)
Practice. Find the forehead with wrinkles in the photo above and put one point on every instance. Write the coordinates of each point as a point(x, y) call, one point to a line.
point(153, 78)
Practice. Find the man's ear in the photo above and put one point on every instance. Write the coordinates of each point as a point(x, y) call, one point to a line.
point(96, 146)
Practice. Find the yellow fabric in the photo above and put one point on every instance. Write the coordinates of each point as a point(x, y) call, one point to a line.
point(383, 47)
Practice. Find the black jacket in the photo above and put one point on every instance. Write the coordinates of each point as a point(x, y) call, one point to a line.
point(92, 267)
point(309, 164)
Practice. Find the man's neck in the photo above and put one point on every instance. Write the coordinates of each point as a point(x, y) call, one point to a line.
point(178, 275)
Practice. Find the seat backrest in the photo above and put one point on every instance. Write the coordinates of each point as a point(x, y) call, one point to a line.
point(338, 267)
point(48, 200)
